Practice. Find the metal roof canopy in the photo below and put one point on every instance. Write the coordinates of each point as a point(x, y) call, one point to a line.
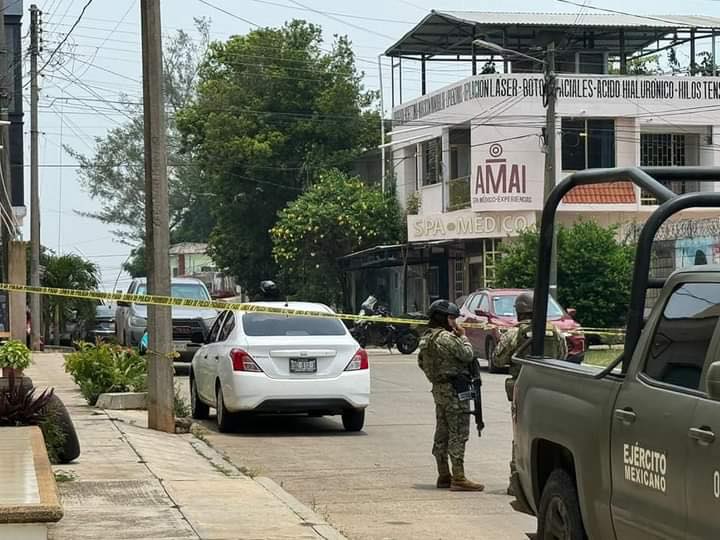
point(450, 33)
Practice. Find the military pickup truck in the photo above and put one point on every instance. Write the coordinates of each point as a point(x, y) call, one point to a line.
point(630, 451)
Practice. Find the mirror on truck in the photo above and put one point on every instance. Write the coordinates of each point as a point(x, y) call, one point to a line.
point(712, 382)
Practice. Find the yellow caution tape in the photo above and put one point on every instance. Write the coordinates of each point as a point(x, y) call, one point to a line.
point(155, 300)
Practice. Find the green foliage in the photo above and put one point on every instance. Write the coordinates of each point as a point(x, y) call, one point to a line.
point(594, 271)
point(413, 204)
point(102, 367)
point(19, 405)
point(647, 65)
point(272, 111)
point(337, 216)
point(115, 174)
point(54, 436)
point(14, 354)
point(68, 272)
point(180, 404)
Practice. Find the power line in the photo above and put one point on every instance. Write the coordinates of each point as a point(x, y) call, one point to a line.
point(62, 42)
point(617, 12)
point(226, 12)
point(336, 19)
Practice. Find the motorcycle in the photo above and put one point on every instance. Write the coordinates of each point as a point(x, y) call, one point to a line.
point(373, 331)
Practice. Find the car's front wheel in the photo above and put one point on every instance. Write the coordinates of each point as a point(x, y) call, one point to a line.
point(559, 516)
point(354, 419)
point(198, 409)
point(224, 417)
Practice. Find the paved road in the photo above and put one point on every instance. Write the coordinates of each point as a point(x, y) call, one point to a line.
point(379, 484)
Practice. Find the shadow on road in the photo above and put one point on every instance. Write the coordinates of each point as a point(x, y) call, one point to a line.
point(286, 426)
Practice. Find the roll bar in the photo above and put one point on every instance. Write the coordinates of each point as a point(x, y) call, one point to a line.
point(649, 180)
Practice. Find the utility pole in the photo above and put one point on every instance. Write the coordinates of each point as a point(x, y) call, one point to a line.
point(550, 148)
point(35, 312)
point(161, 391)
point(5, 85)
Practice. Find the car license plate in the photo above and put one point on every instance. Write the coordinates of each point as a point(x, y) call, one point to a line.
point(303, 365)
point(180, 347)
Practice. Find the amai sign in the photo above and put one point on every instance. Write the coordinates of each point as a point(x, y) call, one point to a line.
point(466, 225)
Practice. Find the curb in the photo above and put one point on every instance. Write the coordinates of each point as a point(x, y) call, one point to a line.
point(306, 514)
point(311, 518)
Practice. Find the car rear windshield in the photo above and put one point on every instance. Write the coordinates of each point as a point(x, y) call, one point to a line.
point(263, 324)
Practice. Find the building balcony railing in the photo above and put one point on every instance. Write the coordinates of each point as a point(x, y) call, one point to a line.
point(458, 194)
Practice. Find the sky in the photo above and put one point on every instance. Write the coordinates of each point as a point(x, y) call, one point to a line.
point(102, 60)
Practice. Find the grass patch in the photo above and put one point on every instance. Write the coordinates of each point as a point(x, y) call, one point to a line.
point(65, 476)
point(602, 357)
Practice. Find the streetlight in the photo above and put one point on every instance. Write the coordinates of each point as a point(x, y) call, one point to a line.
point(550, 135)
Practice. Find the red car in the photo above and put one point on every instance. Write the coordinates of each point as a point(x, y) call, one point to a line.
point(497, 307)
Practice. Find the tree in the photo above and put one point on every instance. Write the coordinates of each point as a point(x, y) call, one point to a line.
point(67, 272)
point(115, 174)
point(336, 216)
point(273, 110)
point(647, 65)
point(594, 270)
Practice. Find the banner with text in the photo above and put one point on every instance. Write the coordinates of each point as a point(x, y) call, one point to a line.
point(489, 89)
point(508, 169)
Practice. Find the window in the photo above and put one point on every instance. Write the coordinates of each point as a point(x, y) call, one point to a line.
point(215, 329)
point(682, 337)
point(667, 150)
point(191, 291)
point(265, 324)
point(587, 144)
point(431, 152)
point(228, 327)
point(484, 303)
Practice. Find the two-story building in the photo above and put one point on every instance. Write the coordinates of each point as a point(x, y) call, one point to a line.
point(469, 157)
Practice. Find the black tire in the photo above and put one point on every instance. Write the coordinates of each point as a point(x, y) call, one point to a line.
point(354, 419)
point(407, 342)
point(490, 355)
point(198, 409)
point(559, 516)
point(225, 419)
point(70, 449)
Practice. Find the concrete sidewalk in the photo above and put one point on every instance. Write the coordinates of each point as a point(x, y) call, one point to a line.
point(134, 483)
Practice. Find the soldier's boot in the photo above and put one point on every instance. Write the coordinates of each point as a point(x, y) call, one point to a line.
point(460, 482)
point(444, 477)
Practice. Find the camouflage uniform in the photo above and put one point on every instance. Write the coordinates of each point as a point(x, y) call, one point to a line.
point(443, 355)
point(512, 339)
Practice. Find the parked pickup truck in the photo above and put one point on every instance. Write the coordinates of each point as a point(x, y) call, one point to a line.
point(630, 451)
point(190, 326)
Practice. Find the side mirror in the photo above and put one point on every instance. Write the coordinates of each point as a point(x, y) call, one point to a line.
point(712, 382)
point(571, 312)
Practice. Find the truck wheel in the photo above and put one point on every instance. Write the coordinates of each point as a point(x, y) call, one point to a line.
point(559, 515)
point(490, 355)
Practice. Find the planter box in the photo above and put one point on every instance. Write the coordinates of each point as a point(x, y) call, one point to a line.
point(122, 401)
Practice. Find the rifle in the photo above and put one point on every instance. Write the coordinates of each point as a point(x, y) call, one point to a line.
point(469, 389)
point(476, 403)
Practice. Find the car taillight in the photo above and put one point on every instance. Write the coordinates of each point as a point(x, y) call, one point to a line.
point(359, 361)
point(242, 361)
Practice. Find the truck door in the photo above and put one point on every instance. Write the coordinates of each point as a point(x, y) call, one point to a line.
point(653, 412)
point(703, 474)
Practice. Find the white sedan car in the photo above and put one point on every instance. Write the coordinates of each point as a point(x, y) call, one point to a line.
point(270, 363)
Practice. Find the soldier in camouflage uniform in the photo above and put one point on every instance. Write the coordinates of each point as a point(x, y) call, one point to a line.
point(445, 352)
point(514, 338)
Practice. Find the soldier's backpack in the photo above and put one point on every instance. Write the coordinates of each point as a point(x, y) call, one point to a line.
point(428, 356)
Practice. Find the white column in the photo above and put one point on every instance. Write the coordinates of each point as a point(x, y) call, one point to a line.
point(445, 167)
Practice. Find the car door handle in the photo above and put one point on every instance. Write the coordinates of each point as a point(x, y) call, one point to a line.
point(626, 416)
point(703, 435)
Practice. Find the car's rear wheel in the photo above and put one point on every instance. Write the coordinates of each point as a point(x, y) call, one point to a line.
point(224, 417)
point(198, 409)
point(559, 516)
point(490, 347)
point(408, 342)
point(354, 419)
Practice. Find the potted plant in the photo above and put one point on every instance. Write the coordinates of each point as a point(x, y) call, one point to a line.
point(15, 358)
